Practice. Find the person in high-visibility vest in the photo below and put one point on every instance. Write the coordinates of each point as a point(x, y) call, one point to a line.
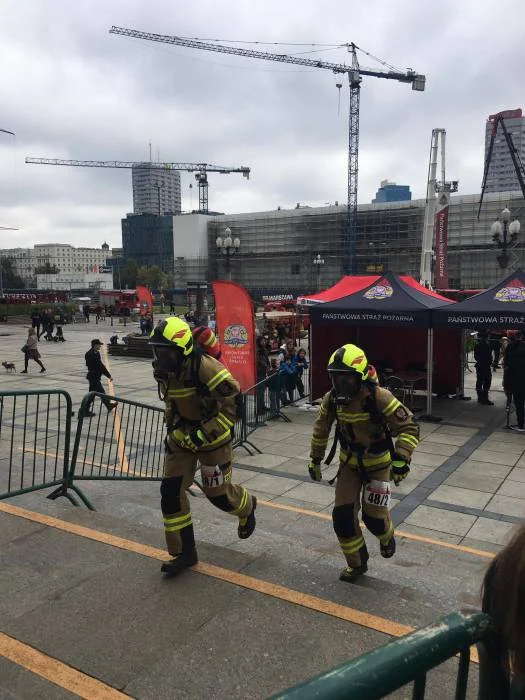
point(201, 409)
point(365, 414)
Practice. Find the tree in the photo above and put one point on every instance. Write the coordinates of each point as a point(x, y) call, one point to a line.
point(152, 277)
point(47, 269)
point(128, 274)
point(10, 280)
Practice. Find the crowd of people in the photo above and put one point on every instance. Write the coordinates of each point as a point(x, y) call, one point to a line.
point(279, 377)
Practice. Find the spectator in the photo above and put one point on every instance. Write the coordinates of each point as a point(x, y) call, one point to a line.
point(300, 364)
point(172, 306)
point(85, 311)
point(503, 598)
point(483, 357)
point(35, 322)
point(288, 376)
point(273, 382)
point(514, 377)
point(43, 323)
point(96, 369)
point(262, 362)
point(30, 351)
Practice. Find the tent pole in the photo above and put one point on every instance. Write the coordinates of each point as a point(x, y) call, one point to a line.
point(428, 417)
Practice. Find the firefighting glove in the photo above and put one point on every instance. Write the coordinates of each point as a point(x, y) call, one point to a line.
point(399, 470)
point(195, 439)
point(314, 469)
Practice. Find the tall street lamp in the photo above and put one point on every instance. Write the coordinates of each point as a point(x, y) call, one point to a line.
point(228, 246)
point(318, 262)
point(500, 230)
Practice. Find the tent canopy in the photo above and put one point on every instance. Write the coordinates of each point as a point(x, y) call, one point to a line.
point(388, 301)
point(354, 283)
point(500, 306)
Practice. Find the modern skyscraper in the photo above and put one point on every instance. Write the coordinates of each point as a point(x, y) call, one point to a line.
point(390, 192)
point(502, 176)
point(156, 190)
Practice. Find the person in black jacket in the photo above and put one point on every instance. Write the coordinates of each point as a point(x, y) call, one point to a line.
point(514, 377)
point(483, 357)
point(96, 369)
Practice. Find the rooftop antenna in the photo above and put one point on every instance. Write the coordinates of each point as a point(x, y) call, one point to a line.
point(150, 151)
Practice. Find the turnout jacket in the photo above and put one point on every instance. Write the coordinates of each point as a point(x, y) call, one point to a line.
point(206, 402)
point(361, 429)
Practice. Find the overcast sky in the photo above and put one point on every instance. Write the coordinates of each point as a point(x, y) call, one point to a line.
point(69, 89)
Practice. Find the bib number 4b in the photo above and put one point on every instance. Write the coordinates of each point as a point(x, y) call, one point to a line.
point(378, 493)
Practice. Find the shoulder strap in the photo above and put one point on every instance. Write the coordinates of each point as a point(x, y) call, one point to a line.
point(195, 366)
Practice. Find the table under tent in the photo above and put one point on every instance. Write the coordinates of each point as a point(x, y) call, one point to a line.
point(391, 319)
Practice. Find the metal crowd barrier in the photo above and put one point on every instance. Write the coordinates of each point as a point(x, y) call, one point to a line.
point(125, 444)
point(35, 430)
point(408, 660)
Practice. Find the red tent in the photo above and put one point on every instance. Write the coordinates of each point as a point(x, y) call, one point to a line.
point(354, 283)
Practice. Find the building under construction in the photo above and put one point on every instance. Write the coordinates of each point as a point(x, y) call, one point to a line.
point(277, 248)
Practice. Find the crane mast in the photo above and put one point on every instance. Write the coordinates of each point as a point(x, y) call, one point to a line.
point(201, 170)
point(434, 243)
point(354, 72)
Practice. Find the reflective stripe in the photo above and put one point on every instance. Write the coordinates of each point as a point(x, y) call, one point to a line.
point(227, 421)
point(322, 411)
point(178, 523)
point(218, 378)
point(181, 393)
point(178, 434)
point(411, 439)
point(385, 539)
point(383, 458)
point(391, 407)
point(353, 545)
point(223, 423)
point(319, 441)
point(242, 505)
point(211, 340)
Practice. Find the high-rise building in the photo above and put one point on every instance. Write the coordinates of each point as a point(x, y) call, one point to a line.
point(156, 190)
point(502, 176)
point(390, 192)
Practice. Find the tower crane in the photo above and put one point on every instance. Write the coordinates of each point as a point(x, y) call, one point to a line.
point(201, 170)
point(354, 72)
point(436, 220)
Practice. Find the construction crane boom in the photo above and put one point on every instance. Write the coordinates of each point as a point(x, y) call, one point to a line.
point(354, 73)
point(496, 120)
point(201, 170)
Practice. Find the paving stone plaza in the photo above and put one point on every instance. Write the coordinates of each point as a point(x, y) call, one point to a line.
point(85, 589)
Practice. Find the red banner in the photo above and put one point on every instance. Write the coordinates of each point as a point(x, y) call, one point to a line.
point(236, 331)
point(441, 244)
point(145, 300)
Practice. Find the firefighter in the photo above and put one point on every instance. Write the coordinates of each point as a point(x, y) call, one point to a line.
point(199, 393)
point(368, 459)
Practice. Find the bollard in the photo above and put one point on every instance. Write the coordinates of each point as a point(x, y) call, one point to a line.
point(111, 320)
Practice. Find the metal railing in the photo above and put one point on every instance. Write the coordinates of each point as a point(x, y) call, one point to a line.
point(35, 431)
point(123, 444)
point(408, 660)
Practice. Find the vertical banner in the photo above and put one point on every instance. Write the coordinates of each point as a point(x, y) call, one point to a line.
point(145, 300)
point(441, 243)
point(236, 330)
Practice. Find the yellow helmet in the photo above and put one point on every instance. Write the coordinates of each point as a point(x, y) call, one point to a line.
point(349, 358)
point(173, 332)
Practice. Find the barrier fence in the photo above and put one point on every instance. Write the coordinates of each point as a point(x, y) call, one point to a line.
point(35, 432)
point(408, 660)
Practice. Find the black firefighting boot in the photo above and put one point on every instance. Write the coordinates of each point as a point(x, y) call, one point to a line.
point(247, 525)
point(389, 549)
point(352, 573)
point(180, 562)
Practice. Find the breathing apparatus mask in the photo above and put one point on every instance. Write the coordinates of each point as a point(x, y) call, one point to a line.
point(346, 386)
point(348, 368)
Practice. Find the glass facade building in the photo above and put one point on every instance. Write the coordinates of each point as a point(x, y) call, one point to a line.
point(148, 240)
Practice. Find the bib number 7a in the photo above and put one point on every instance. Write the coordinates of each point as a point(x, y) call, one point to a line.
point(378, 493)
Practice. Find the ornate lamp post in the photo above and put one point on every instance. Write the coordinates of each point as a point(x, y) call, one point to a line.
point(500, 230)
point(318, 262)
point(228, 246)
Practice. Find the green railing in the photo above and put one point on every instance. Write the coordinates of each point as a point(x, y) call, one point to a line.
point(408, 660)
point(35, 432)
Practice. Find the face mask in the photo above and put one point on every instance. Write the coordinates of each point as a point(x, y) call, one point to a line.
point(346, 385)
point(167, 360)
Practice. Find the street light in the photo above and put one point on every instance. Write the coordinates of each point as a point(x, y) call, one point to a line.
point(228, 246)
point(318, 261)
point(500, 230)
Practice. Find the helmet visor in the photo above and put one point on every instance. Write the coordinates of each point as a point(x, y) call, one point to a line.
point(346, 384)
point(168, 358)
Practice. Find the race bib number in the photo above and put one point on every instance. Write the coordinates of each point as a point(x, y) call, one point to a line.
point(211, 476)
point(378, 493)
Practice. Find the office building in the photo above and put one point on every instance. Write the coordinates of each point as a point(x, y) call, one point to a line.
point(156, 190)
point(502, 175)
point(390, 192)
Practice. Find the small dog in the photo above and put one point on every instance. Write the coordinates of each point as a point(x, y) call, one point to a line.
point(9, 366)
